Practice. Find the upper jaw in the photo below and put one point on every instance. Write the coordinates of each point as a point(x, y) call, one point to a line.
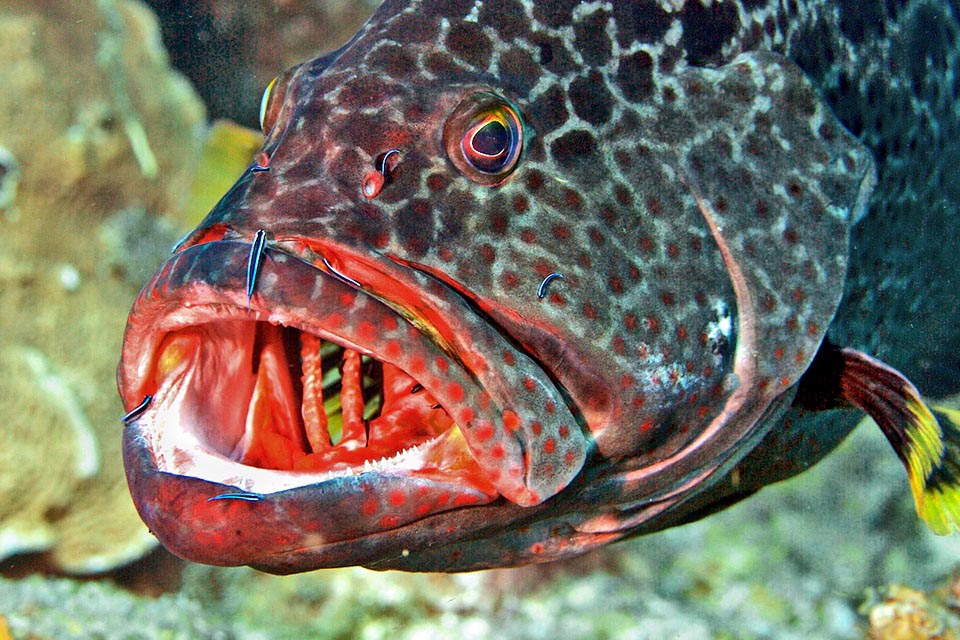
point(199, 298)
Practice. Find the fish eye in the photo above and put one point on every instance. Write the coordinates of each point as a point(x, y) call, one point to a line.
point(483, 138)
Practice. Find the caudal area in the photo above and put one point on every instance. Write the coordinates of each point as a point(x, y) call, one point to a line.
point(274, 398)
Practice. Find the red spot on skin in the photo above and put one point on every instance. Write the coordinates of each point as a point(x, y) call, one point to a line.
point(455, 392)
point(673, 251)
point(485, 431)
point(536, 548)
point(616, 285)
point(690, 366)
point(549, 445)
point(790, 236)
point(464, 499)
point(696, 245)
point(564, 431)
point(784, 382)
point(778, 353)
point(573, 198)
point(646, 426)
point(366, 331)
point(653, 325)
point(443, 498)
point(536, 428)
point(761, 209)
point(528, 236)
point(529, 383)
point(561, 232)
point(392, 350)
point(390, 323)
point(792, 324)
point(334, 320)
point(509, 280)
point(483, 400)
point(589, 312)
point(681, 332)
point(619, 346)
point(626, 381)
point(423, 509)
point(634, 272)
point(646, 246)
point(667, 298)
point(441, 364)
point(707, 372)
point(596, 237)
point(466, 415)
point(557, 299)
point(370, 506)
point(437, 181)
point(417, 365)
point(569, 458)
point(511, 420)
point(702, 413)
point(509, 359)
point(496, 451)
point(550, 406)
point(643, 351)
point(534, 180)
point(347, 299)
point(397, 497)
point(801, 356)
point(584, 260)
point(798, 295)
point(487, 253)
point(813, 329)
point(446, 254)
point(520, 203)
point(654, 206)
point(630, 321)
point(389, 522)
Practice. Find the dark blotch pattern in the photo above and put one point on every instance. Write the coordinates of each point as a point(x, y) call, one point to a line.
point(705, 30)
point(635, 76)
point(591, 99)
point(574, 149)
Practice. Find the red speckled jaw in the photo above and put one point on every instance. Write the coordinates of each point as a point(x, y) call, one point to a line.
point(238, 392)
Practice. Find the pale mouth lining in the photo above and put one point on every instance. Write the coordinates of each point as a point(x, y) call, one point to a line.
point(266, 407)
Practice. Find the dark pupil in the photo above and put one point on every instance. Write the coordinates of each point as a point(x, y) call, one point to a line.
point(491, 139)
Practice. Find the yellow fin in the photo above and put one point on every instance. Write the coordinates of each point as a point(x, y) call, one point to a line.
point(939, 502)
point(928, 448)
point(227, 153)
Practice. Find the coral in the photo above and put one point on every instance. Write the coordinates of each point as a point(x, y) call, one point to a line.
point(92, 122)
point(896, 612)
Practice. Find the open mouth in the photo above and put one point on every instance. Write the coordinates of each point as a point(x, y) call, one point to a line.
point(311, 379)
point(266, 407)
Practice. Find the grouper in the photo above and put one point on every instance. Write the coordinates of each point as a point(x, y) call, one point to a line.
point(509, 281)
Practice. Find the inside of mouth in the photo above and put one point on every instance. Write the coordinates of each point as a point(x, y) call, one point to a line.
point(273, 397)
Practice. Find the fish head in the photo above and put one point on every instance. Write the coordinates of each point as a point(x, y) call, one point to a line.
point(559, 292)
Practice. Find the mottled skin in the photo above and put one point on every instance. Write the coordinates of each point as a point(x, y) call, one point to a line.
point(682, 167)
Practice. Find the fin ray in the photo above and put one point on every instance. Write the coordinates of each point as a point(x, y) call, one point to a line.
point(929, 448)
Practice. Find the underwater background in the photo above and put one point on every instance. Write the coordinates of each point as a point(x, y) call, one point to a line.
point(113, 143)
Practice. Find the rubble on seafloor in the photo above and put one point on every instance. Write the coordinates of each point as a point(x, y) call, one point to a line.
point(94, 127)
point(897, 612)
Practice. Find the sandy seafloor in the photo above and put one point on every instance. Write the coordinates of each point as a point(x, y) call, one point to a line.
point(796, 561)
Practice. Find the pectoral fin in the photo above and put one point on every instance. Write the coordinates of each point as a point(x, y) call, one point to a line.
point(926, 440)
